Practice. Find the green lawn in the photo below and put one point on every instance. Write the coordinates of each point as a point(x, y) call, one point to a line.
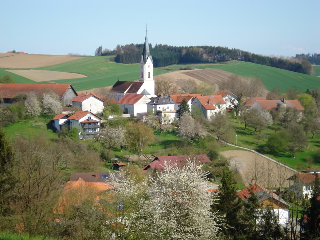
point(270, 76)
point(12, 236)
point(31, 127)
point(100, 72)
point(317, 70)
point(246, 138)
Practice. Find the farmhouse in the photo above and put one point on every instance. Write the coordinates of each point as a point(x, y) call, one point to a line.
point(164, 107)
point(145, 85)
point(269, 105)
point(228, 97)
point(93, 176)
point(180, 160)
point(178, 98)
point(267, 199)
point(10, 90)
point(87, 123)
point(303, 184)
point(250, 101)
point(210, 105)
point(88, 102)
point(133, 104)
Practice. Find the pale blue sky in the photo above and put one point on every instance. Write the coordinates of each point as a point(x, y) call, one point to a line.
point(63, 26)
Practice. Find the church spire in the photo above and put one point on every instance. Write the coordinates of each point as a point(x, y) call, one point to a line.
point(146, 51)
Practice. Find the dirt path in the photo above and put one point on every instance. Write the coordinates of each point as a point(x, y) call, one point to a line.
point(257, 169)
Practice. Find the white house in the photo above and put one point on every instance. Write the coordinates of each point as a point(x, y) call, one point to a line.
point(146, 83)
point(88, 102)
point(86, 121)
point(267, 199)
point(228, 97)
point(178, 98)
point(60, 120)
point(209, 105)
point(302, 184)
point(133, 104)
point(164, 107)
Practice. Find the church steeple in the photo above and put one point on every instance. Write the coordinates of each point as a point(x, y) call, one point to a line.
point(146, 50)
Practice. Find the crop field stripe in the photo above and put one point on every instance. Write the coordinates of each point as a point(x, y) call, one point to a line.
point(15, 77)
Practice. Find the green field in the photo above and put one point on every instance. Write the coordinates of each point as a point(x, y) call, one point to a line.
point(17, 78)
point(317, 70)
point(100, 71)
point(270, 76)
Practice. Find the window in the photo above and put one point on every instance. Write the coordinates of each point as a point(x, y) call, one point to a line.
point(148, 74)
point(142, 75)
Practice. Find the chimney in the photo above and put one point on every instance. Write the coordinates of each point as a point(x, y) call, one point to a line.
point(283, 100)
point(209, 101)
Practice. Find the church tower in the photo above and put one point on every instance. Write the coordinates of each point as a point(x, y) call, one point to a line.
point(146, 69)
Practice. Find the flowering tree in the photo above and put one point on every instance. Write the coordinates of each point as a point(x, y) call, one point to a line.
point(189, 128)
point(51, 103)
point(32, 104)
point(112, 137)
point(173, 204)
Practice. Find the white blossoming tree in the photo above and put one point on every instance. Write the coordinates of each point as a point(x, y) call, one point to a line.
point(32, 104)
point(189, 128)
point(51, 103)
point(173, 204)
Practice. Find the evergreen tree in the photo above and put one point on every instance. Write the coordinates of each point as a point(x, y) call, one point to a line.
point(313, 213)
point(184, 107)
point(249, 217)
point(229, 204)
point(6, 174)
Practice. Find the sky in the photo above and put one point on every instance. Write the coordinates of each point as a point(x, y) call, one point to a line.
point(267, 27)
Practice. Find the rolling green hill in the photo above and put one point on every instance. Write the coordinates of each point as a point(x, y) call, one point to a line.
point(17, 78)
point(270, 76)
point(317, 70)
point(101, 72)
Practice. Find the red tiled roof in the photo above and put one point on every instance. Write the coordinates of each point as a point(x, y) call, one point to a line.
point(93, 121)
point(273, 104)
point(222, 93)
point(307, 177)
point(10, 90)
point(120, 164)
point(78, 115)
point(83, 96)
point(251, 101)
point(59, 116)
point(180, 97)
point(245, 193)
point(130, 98)
point(209, 102)
point(180, 160)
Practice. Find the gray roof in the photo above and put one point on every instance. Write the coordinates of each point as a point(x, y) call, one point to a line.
point(92, 177)
point(146, 50)
point(145, 92)
point(159, 100)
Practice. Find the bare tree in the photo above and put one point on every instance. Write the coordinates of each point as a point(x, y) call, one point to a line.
point(220, 124)
point(164, 86)
point(32, 104)
point(190, 129)
point(188, 86)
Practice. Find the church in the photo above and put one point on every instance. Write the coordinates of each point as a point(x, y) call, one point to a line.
point(145, 86)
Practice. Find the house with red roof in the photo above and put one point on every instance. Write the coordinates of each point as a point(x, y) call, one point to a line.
point(86, 122)
point(134, 104)
point(228, 97)
point(302, 184)
point(10, 90)
point(180, 160)
point(268, 105)
point(88, 102)
point(267, 199)
point(210, 105)
point(178, 98)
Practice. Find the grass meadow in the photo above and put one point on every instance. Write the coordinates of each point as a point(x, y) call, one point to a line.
point(317, 70)
point(15, 77)
point(270, 76)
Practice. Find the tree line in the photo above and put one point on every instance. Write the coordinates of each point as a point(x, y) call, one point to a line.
point(164, 55)
point(312, 58)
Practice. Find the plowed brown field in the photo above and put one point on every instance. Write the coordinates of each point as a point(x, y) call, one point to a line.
point(44, 75)
point(209, 75)
point(9, 60)
point(256, 169)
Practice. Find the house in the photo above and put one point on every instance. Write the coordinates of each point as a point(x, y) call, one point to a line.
point(93, 177)
point(119, 166)
point(267, 199)
point(164, 107)
point(180, 160)
point(302, 184)
point(278, 105)
point(88, 102)
point(178, 98)
point(228, 97)
point(82, 120)
point(248, 102)
point(87, 121)
point(146, 83)
point(134, 103)
point(10, 90)
point(210, 105)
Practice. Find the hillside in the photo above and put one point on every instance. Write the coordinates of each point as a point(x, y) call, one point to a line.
point(317, 70)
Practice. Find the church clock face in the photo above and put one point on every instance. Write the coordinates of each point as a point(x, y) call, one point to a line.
point(148, 66)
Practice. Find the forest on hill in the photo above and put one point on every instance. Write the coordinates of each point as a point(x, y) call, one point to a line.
point(164, 55)
point(314, 59)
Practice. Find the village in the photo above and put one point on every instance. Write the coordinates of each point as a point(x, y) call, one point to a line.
point(136, 102)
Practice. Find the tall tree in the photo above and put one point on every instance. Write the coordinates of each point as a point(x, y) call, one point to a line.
point(7, 180)
point(51, 103)
point(184, 107)
point(32, 104)
point(221, 126)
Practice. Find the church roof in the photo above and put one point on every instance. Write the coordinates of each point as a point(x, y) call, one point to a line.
point(121, 86)
point(146, 50)
point(130, 99)
point(135, 86)
point(145, 92)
